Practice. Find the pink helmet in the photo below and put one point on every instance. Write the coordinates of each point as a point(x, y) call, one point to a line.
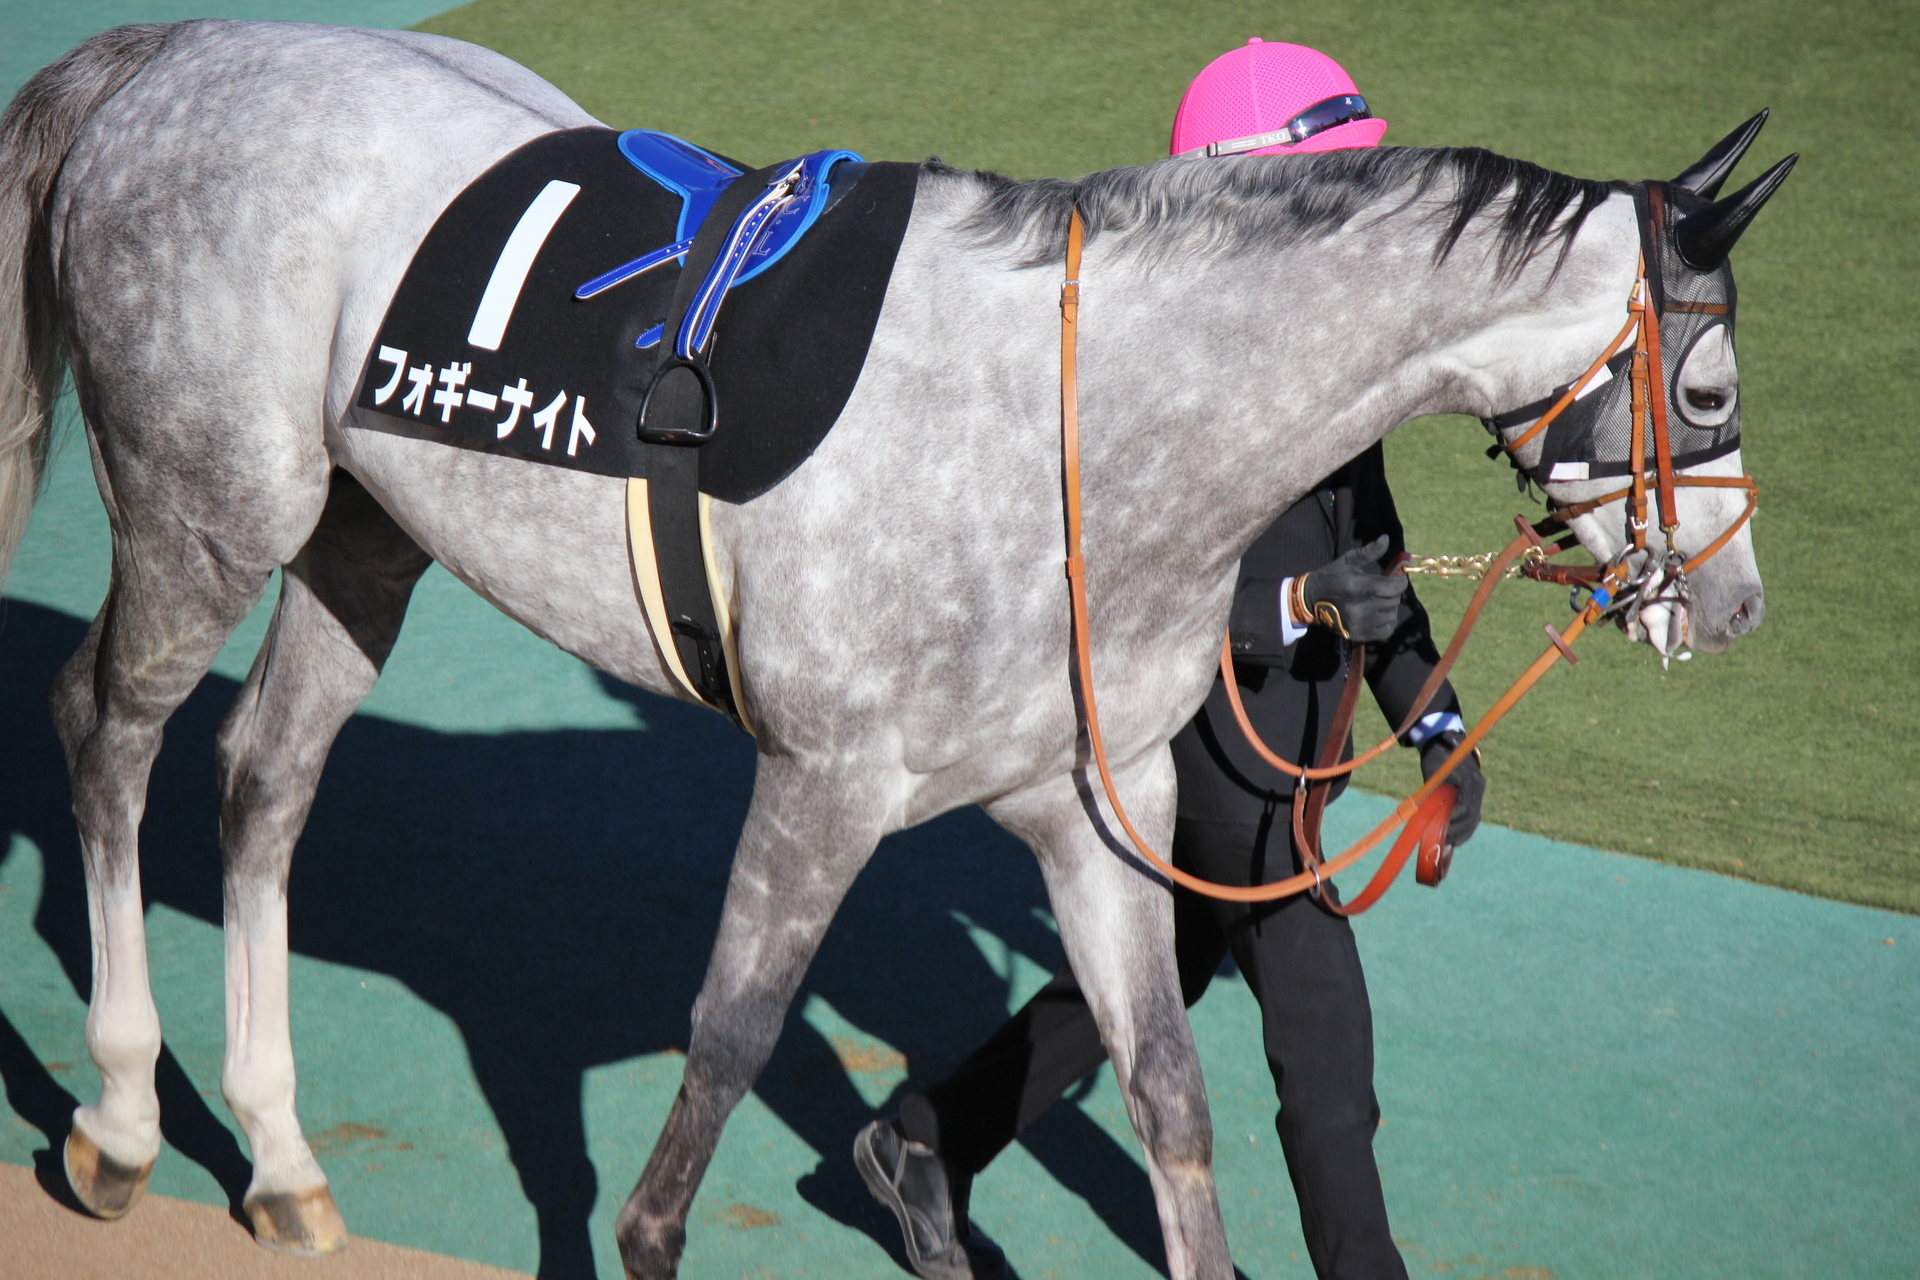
point(1272, 99)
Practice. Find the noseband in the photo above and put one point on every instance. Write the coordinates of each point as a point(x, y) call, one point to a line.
point(1611, 588)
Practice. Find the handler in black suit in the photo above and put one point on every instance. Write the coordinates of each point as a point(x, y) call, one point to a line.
point(1233, 827)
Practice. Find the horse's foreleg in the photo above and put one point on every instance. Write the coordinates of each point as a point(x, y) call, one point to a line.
point(341, 604)
point(805, 838)
point(1117, 925)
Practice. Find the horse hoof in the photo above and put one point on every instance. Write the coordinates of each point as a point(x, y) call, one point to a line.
point(105, 1186)
point(306, 1223)
point(649, 1254)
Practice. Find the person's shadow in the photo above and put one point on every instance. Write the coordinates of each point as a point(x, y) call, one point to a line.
point(555, 895)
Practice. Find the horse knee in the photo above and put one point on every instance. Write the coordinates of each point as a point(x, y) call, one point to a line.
point(729, 1045)
point(1170, 1103)
point(264, 792)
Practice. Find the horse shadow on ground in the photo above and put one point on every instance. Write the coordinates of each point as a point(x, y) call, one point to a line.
point(555, 893)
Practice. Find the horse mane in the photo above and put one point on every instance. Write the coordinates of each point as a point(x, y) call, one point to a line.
point(1272, 202)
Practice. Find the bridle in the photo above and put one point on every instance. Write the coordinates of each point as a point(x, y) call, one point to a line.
point(1648, 412)
point(1610, 588)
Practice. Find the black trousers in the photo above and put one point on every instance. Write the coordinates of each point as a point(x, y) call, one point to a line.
point(1301, 964)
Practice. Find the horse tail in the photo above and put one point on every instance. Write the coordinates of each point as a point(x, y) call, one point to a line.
point(37, 131)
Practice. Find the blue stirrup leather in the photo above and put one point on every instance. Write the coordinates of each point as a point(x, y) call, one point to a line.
point(761, 236)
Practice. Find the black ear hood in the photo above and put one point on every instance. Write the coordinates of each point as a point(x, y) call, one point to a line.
point(1685, 238)
point(1592, 439)
point(1708, 236)
point(1705, 175)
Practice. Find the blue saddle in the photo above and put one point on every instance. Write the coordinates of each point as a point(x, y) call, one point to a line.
point(794, 199)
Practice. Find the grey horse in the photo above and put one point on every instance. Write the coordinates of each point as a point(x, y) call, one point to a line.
point(205, 223)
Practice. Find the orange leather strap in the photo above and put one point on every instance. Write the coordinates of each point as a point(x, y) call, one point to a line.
point(1495, 574)
point(1407, 809)
point(1657, 400)
point(1427, 830)
point(1574, 388)
point(1637, 408)
point(1427, 811)
point(1683, 482)
point(1309, 800)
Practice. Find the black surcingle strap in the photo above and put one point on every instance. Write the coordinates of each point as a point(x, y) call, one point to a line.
point(673, 515)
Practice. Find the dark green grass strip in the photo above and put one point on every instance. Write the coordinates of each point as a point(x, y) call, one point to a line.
point(1790, 760)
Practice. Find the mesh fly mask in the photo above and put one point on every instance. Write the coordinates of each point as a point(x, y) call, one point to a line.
point(1592, 438)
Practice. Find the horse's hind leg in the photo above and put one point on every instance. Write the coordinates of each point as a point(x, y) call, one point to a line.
point(1117, 927)
point(805, 839)
point(187, 567)
point(341, 604)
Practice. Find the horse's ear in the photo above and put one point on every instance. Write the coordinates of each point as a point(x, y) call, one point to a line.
point(1706, 238)
point(1704, 176)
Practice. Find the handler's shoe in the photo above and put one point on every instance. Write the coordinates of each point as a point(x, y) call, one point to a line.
point(911, 1180)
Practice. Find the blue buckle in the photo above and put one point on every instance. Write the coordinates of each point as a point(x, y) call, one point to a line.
point(1600, 598)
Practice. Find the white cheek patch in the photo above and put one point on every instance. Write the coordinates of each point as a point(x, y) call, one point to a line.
point(1600, 379)
point(1568, 471)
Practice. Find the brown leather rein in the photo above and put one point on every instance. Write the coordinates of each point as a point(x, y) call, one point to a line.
point(1427, 811)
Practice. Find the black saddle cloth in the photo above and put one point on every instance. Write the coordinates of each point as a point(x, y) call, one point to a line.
point(787, 349)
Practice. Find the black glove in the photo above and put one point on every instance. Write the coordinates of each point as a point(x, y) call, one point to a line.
point(1354, 596)
point(1466, 778)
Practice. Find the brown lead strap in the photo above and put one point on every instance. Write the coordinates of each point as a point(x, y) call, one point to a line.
point(1426, 811)
point(1657, 395)
point(1414, 806)
point(1309, 801)
point(1637, 413)
point(1494, 575)
point(1426, 830)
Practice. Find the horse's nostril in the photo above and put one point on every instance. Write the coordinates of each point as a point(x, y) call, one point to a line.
point(1748, 615)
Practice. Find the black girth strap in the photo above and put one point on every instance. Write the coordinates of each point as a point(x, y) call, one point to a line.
point(680, 407)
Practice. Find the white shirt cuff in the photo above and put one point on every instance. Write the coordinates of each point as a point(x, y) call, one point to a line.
point(1435, 722)
point(1290, 631)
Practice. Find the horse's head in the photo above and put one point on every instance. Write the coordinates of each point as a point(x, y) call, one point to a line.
point(1685, 542)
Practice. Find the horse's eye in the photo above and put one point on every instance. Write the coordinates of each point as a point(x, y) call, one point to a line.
point(1706, 401)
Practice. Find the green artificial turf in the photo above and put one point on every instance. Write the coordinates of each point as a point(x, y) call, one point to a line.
point(1789, 760)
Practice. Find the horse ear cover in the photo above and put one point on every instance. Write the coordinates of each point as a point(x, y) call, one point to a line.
point(1704, 176)
point(1705, 238)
